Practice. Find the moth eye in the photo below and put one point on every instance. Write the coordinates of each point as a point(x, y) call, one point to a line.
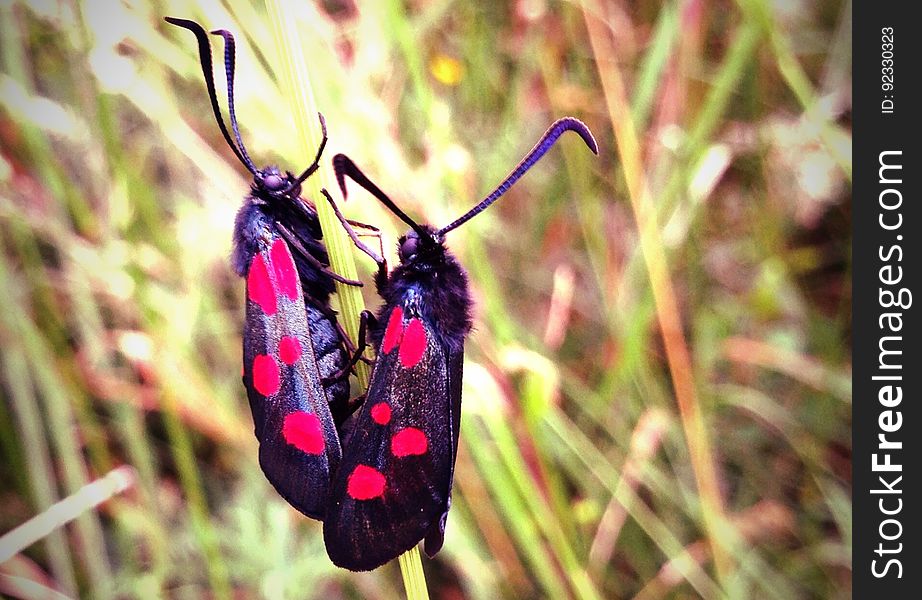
point(274, 183)
point(408, 247)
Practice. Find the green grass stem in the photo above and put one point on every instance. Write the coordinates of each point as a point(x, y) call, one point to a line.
point(297, 83)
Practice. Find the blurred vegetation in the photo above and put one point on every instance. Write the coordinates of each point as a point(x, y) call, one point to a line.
point(638, 401)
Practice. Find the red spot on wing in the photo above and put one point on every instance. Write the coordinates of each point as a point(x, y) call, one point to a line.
point(394, 330)
point(413, 345)
point(289, 349)
point(365, 483)
point(303, 431)
point(265, 375)
point(259, 286)
point(409, 442)
point(381, 413)
point(285, 272)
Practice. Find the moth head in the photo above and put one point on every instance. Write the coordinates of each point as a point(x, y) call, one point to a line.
point(272, 180)
point(275, 184)
point(421, 245)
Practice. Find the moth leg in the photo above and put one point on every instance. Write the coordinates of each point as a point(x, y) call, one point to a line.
point(371, 321)
point(349, 346)
point(330, 314)
point(378, 258)
point(366, 320)
point(292, 239)
point(372, 232)
point(361, 225)
point(382, 266)
point(356, 350)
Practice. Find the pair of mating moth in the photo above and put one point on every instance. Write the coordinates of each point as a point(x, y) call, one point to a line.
point(378, 472)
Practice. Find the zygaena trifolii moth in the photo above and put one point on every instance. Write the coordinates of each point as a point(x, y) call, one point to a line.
point(393, 486)
point(295, 361)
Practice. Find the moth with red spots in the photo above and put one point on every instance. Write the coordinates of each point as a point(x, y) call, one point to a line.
point(393, 486)
point(295, 361)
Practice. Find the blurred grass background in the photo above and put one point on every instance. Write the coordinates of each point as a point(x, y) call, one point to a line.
point(638, 401)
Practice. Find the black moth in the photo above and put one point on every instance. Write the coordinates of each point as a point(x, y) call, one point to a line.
point(295, 359)
point(393, 486)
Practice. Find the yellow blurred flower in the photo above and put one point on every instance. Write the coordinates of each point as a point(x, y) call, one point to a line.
point(446, 69)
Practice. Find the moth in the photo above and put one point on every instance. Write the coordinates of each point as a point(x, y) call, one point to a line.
point(393, 485)
point(296, 358)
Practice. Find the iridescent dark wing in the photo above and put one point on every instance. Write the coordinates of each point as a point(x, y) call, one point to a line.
point(298, 442)
point(394, 482)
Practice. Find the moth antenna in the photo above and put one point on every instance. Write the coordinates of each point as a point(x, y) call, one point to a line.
point(343, 166)
point(316, 164)
point(230, 52)
point(544, 144)
point(204, 52)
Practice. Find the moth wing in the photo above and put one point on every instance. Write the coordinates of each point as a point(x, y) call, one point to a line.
point(394, 480)
point(435, 537)
point(298, 442)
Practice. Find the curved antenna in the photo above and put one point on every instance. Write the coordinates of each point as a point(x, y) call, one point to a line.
point(314, 165)
point(343, 166)
point(230, 50)
point(204, 53)
point(544, 144)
